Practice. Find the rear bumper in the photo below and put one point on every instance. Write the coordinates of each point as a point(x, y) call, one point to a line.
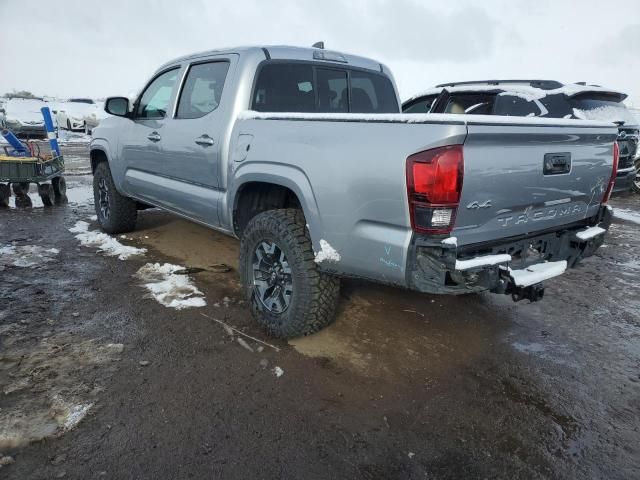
point(445, 268)
point(624, 179)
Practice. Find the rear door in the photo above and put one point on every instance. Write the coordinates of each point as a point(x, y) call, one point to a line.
point(192, 140)
point(521, 179)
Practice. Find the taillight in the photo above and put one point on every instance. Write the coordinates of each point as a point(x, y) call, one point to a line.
point(612, 180)
point(434, 183)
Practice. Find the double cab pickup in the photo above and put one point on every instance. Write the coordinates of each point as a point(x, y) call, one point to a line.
point(304, 155)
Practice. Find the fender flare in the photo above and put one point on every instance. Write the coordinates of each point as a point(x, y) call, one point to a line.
point(286, 176)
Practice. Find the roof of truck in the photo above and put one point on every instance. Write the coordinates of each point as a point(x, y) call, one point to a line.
point(529, 89)
point(286, 52)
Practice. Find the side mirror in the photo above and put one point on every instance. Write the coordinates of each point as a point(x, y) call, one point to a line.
point(118, 106)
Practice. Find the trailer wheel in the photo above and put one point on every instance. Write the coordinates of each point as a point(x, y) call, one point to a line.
point(59, 190)
point(45, 190)
point(21, 188)
point(5, 194)
point(23, 201)
point(289, 296)
point(116, 213)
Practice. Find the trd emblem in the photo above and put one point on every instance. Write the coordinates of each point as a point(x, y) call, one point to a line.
point(475, 205)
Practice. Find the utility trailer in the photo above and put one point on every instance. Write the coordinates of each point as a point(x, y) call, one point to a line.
point(18, 172)
point(24, 163)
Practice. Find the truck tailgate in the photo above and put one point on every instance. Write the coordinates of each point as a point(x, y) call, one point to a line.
point(525, 178)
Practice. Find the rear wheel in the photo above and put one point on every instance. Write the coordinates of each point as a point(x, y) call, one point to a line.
point(116, 213)
point(59, 190)
point(45, 190)
point(289, 296)
point(636, 180)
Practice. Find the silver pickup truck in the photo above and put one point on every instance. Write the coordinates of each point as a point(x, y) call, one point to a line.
point(303, 155)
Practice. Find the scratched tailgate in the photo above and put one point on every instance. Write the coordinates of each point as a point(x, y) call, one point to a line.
point(523, 177)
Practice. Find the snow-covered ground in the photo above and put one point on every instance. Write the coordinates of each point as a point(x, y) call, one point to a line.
point(103, 242)
point(169, 287)
point(627, 215)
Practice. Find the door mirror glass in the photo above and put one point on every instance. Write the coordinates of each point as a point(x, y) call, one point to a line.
point(118, 106)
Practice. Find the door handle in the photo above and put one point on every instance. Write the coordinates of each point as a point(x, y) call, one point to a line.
point(154, 137)
point(205, 140)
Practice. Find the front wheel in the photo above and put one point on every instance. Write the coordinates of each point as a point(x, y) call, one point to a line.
point(116, 213)
point(636, 180)
point(288, 294)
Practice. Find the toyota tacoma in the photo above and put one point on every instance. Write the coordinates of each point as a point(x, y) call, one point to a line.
point(303, 154)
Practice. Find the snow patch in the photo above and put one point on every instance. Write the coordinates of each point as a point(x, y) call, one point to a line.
point(168, 288)
point(485, 260)
point(26, 256)
point(278, 372)
point(69, 415)
point(326, 253)
point(450, 241)
point(626, 214)
point(538, 273)
point(103, 242)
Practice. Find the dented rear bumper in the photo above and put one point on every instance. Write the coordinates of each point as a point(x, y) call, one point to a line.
point(438, 265)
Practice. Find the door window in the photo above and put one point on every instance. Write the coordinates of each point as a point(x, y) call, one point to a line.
point(202, 89)
point(422, 105)
point(372, 93)
point(154, 101)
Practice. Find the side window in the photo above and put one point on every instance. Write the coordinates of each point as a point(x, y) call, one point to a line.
point(333, 94)
point(284, 87)
point(202, 89)
point(371, 93)
point(514, 106)
point(154, 102)
point(422, 105)
point(470, 103)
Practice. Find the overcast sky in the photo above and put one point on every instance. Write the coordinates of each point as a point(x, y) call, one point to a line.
point(100, 48)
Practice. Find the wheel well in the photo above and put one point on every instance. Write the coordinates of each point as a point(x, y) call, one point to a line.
point(257, 197)
point(96, 157)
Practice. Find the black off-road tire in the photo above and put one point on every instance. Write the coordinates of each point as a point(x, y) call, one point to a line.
point(315, 294)
point(5, 194)
point(59, 190)
point(45, 190)
point(122, 212)
point(636, 181)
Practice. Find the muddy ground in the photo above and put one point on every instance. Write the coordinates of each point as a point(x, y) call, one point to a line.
point(100, 380)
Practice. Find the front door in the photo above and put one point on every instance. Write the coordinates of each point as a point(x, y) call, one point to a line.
point(142, 141)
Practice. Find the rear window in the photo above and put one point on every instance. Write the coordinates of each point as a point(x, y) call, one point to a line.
point(305, 87)
point(596, 109)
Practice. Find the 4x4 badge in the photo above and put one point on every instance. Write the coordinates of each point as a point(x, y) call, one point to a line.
point(476, 204)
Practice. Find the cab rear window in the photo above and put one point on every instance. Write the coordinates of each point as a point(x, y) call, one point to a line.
point(311, 88)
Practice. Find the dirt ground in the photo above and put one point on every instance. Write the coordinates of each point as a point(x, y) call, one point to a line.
point(100, 380)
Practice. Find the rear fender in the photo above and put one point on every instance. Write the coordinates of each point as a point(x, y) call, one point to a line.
point(278, 174)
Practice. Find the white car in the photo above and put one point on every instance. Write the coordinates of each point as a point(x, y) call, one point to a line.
point(23, 117)
point(72, 114)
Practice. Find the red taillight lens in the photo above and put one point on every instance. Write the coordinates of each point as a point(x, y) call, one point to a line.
point(434, 183)
point(612, 180)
